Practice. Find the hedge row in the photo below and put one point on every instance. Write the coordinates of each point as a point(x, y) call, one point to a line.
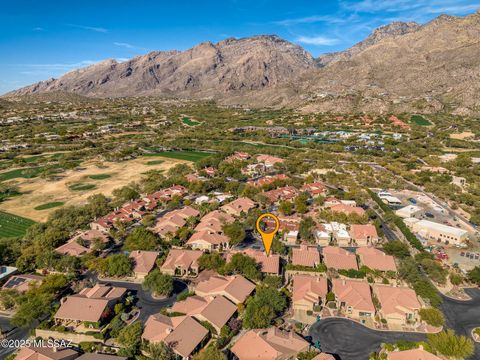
point(412, 239)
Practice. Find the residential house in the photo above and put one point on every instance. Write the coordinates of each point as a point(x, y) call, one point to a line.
point(208, 241)
point(169, 224)
point(214, 221)
point(363, 235)
point(235, 288)
point(398, 305)
point(376, 259)
point(90, 306)
point(271, 343)
point(308, 295)
point(46, 353)
point(6, 272)
point(21, 283)
point(143, 262)
point(238, 156)
point(269, 160)
point(266, 180)
point(338, 258)
point(239, 206)
point(323, 234)
point(347, 209)
point(339, 233)
point(355, 298)
point(283, 193)
point(182, 333)
point(315, 189)
point(412, 354)
point(305, 255)
point(268, 264)
point(216, 310)
point(181, 262)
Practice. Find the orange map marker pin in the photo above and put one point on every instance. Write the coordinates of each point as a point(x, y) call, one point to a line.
point(267, 237)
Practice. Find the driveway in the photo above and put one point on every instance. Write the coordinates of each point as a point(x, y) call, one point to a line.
point(352, 341)
point(146, 303)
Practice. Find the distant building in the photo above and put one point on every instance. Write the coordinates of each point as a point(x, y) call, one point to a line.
point(376, 259)
point(46, 353)
point(409, 211)
point(439, 232)
point(234, 288)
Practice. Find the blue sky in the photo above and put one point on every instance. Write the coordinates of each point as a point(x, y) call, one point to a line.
point(42, 39)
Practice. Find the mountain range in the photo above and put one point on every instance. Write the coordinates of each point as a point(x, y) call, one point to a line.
point(402, 66)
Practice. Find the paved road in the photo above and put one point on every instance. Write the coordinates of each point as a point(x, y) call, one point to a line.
point(146, 303)
point(352, 341)
point(12, 334)
point(463, 316)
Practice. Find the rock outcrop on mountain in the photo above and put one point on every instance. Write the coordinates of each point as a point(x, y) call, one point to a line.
point(399, 67)
point(206, 70)
point(392, 30)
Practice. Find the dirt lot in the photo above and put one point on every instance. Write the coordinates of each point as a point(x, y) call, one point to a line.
point(39, 191)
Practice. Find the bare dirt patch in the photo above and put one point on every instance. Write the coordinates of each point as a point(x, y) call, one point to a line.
point(39, 191)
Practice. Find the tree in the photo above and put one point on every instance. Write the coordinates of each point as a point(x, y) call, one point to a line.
point(140, 239)
point(432, 316)
point(474, 275)
point(158, 283)
point(130, 338)
point(211, 261)
point(306, 228)
point(307, 355)
point(245, 265)
point(451, 345)
point(273, 281)
point(210, 353)
point(285, 207)
point(235, 232)
point(160, 351)
point(119, 265)
point(301, 205)
point(396, 248)
point(124, 194)
point(263, 307)
point(278, 247)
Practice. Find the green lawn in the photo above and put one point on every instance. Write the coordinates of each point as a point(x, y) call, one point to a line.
point(155, 162)
point(82, 187)
point(100, 176)
point(182, 155)
point(49, 205)
point(13, 226)
point(21, 173)
point(190, 122)
point(420, 120)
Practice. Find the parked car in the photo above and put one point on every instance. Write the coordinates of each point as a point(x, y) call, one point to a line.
point(429, 215)
point(462, 253)
point(412, 200)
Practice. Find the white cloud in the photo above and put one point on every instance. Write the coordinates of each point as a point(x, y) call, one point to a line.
point(125, 45)
point(90, 28)
point(38, 28)
point(317, 40)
